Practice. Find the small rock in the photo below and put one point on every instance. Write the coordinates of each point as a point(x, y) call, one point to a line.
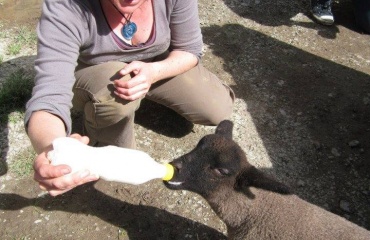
point(301, 183)
point(344, 205)
point(335, 152)
point(366, 100)
point(316, 144)
point(245, 3)
point(282, 112)
point(172, 206)
point(354, 143)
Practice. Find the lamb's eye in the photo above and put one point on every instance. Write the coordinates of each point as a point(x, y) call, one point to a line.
point(222, 171)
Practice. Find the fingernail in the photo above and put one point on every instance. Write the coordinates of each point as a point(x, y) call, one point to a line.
point(84, 173)
point(65, 171)
point(94, 177)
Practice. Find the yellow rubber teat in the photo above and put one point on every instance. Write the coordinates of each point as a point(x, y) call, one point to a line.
point(169, 172)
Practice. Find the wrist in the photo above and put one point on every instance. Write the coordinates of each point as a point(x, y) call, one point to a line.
point(157, 71)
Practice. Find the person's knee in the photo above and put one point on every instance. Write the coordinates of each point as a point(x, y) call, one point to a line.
point(212, 114)
point(223, 114)
point(226, 106)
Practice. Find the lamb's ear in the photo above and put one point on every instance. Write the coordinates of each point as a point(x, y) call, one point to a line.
point(252, 177)
point(225, 128)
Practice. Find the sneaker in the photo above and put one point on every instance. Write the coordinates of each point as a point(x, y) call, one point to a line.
point(321, 11)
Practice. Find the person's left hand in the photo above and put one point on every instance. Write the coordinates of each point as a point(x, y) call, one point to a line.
point(143, 77)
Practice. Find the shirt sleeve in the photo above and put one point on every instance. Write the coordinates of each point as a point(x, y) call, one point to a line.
point(59, 41)
point(185, 27)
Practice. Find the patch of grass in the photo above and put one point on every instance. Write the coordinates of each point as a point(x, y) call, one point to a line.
point(122, 233)
point(14, 48)
point(14, 93)
point(22, 238)
point(1, 59)
point(26, 36)
point(15, 117)
point(22, 165)
point(23, 37)
point(25, 238)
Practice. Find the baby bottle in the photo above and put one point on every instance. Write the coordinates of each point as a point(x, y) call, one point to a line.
point(110, 163)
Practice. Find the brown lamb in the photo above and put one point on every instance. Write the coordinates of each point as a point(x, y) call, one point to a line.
point(252, 204)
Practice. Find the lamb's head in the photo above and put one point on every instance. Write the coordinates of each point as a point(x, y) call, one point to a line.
point(217, 163)
point(214, 163)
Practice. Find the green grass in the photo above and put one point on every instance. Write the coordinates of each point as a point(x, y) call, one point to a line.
point(14, 48)
point(15, 116)
point(26, 36)
point(23, 38)
point(25, 238)
point(21, 238)
point(14, 93)
point(22, 163)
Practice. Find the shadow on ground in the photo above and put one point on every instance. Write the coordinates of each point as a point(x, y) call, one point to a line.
point(264, 12)
point(137, 221)
point(16, 82)
point(307, 110)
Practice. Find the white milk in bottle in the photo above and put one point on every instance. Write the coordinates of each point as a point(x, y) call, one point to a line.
point(110, 163)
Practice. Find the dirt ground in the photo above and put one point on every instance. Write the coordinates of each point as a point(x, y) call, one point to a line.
point(302, 114)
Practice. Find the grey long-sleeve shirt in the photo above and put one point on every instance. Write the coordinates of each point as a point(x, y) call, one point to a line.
point(76, 30)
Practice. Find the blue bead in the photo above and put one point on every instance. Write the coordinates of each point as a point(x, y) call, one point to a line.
point(129, 30)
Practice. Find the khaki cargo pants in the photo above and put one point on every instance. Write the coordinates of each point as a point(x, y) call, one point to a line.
point(197, 95)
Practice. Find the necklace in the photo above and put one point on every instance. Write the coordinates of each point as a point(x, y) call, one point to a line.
point(129, 28)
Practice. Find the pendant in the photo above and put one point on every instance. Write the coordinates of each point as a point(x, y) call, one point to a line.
point(128, 30)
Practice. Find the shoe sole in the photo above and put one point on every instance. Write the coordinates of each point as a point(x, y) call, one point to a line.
point(325, 21)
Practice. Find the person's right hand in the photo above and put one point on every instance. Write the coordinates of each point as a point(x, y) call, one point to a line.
point(56, 179)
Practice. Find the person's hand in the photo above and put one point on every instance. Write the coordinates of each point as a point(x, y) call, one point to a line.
point(144, 75)
point(56, 179)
